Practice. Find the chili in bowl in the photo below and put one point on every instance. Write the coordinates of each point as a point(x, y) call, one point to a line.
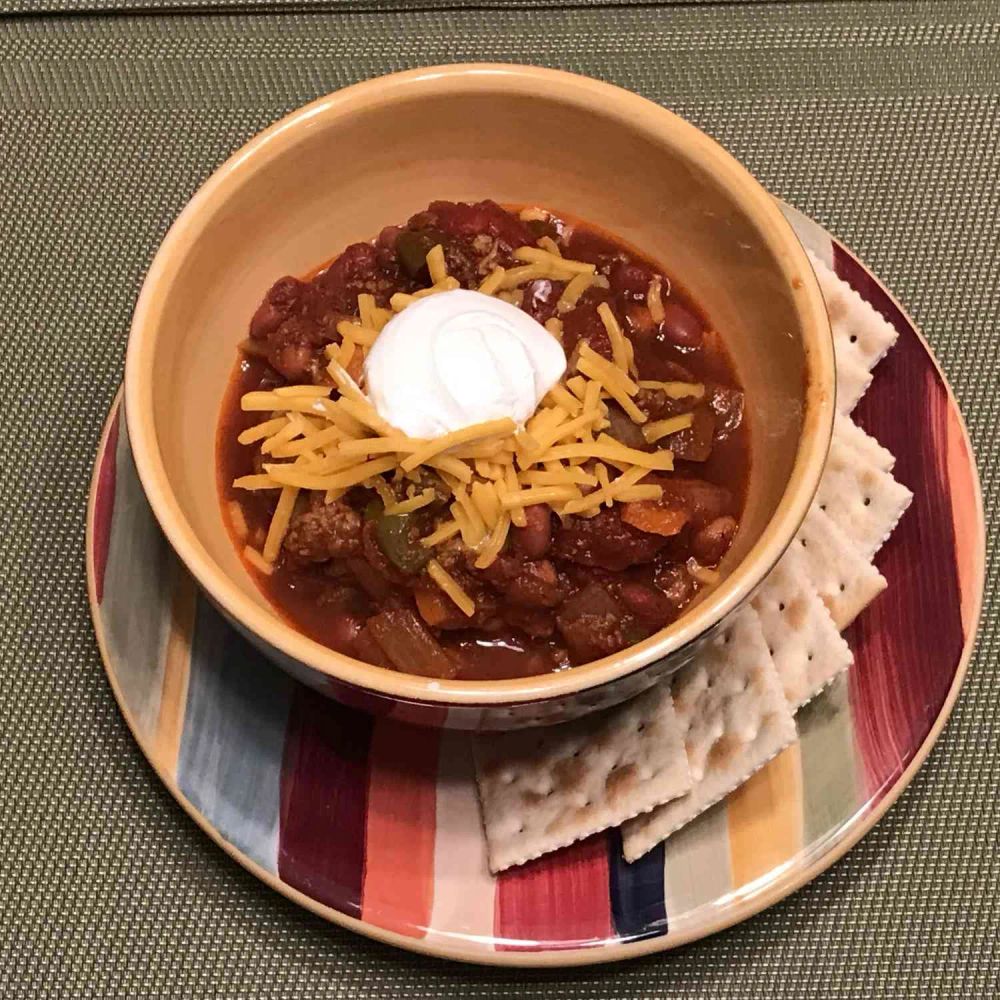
point(515, 550)
point(525, 402)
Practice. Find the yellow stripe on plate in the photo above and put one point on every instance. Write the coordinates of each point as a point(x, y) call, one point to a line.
point(765, 818)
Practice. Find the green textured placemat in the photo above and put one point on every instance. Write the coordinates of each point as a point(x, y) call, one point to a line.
point(101, 6)
point(879, 119)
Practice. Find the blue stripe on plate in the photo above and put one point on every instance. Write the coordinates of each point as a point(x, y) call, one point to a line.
point(229, 766)
point(136, 605)
point(637, 900)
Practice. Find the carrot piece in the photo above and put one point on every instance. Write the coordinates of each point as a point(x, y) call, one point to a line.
point(654, 517)
point(434, 606)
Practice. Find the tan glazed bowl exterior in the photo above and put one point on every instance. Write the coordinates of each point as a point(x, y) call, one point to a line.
point(340, 169)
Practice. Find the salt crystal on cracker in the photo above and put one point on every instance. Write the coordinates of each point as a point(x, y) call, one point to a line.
point(846, 581)
point(864, 501)
point(734, 717)
point(861, 336)
point(542, 789)
point(846, 431)
point(808, 650)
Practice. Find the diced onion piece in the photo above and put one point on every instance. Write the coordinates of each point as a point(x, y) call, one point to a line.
point(703, 574)
point(654, 300)
point(381, 487)
point(237, 520)
point(533, 214)
point(406, 641)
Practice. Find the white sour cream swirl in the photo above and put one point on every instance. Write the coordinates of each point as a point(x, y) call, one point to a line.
point(459, 358)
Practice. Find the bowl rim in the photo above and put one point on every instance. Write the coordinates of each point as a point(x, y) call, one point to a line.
point(637, 113)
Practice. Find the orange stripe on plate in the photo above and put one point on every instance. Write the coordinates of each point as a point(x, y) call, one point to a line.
point(176, 664)
point(402, 801)
point(765, 818)
point(965, 517)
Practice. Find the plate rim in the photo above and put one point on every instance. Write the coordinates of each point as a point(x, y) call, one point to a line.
point(742, 909)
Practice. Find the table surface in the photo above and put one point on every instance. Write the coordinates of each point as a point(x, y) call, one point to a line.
point(880, 119)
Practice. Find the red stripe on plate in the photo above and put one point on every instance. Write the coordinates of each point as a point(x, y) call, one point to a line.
point(908, 643)
point(324, 786)
point(560, 901)
point(965, 506)
point(104, 504)
point(402, 805)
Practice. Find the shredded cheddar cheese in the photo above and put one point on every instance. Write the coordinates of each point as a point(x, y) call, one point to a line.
point(485, 476)
point(451, 587)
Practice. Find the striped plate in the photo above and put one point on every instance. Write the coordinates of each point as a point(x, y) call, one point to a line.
point(376, 826)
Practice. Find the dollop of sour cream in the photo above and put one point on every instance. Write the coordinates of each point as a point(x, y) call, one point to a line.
point(459, 358)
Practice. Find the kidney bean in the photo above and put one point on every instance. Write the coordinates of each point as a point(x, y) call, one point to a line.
point(533, 540)
point(681, 327)
point(630, 281)
point(283, 300)
point(712, 542)
point(649, 605)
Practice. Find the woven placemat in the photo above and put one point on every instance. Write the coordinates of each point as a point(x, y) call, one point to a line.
point(292, 6)
point(881, 120)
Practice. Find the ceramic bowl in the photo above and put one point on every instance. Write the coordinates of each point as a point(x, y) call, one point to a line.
point(340, 169)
